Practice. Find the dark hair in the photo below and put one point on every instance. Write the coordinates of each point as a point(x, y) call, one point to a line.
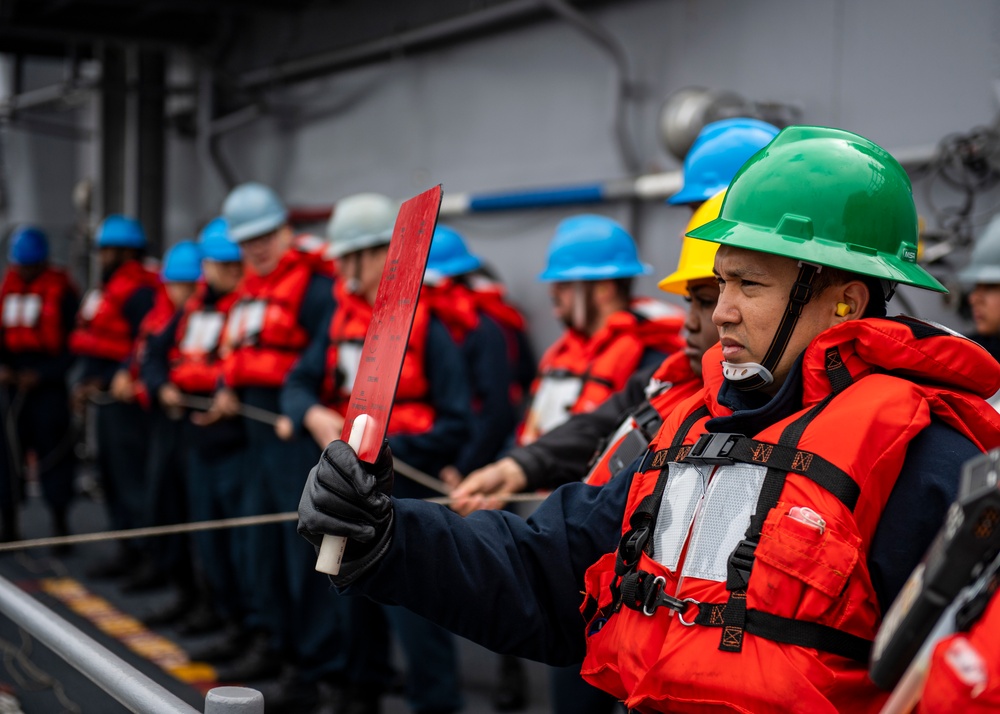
point(828, 277)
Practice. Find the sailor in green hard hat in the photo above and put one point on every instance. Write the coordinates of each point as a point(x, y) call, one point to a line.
point(744, 562)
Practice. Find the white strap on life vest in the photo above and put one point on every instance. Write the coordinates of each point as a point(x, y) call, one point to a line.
point(22, 310)
point(91, 301)
point(348, 361)
point(555, 397)
point(246, 320)
point(202, 332)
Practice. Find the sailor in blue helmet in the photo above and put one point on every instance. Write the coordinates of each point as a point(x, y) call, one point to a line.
point(38, 302)
point(106, 330)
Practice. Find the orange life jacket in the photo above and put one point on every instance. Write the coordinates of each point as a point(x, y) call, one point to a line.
point(155, 321)
point(32, 312)
point(102, 330)
point(489, 298)
point(194, 356)
point(707, 607)
point(263, 337)
point(672, 383)
point(577, 373)
point(964, 674)
point(317, 251)
point(453, 305)
point(412, 412)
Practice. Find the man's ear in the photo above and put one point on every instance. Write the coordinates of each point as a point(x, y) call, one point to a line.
point(852, 300)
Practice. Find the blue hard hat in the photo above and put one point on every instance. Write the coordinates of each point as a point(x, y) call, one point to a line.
point(591, 247)
point(216, 243)
point(28, 246)
point(720, 150)
point(253, 210)
point(182, 263)
point(118, 231)
point(449, 255)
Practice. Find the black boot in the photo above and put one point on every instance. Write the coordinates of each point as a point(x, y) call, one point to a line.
point(122, 564)
point(510, 694)
point(259, 661)
point(231, 645)
point(148, 576)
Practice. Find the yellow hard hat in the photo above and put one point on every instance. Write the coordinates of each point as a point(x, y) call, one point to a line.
point(697, 256)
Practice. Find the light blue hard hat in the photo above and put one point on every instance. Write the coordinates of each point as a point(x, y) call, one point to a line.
point(216, 244)
point(363, 220)
point(28, 246)
point(118, 231)
point(253, 210)
point(449, 255)
point(589, 247)
point(182, 263)
point(984, 263)
point(720, 150)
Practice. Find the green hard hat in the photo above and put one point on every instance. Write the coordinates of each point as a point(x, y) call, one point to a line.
point(828, 197)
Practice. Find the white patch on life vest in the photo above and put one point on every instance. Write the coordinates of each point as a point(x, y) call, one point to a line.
point(555, 397)
point(730, 500)
point(246, 320)
point(994, 401)
point(203, 331)
point(349, 360)
point(685, 487)
point(22, 310)
point(91, 301)
point(629, 424)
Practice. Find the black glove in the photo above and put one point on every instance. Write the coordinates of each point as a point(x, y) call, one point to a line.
point(346, 496)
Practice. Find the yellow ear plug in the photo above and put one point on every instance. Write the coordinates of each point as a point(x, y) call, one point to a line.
point(843, 309)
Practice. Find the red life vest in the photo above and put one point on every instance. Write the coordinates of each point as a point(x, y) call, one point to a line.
point(453, 305)
point(577, 373)
point(317, 251)
point(102, 330)
point(32, 312)
point(964, 674)
point(263, 337)
point(155, 321)
point(490, 298)
point(672, 383)
point(194, 356)
point(412, 412)
point(793, 630)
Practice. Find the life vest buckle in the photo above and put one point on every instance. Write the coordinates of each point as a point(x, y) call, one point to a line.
point(741, 559)
point(632, 544)
point(657, 598)
point(713, 449)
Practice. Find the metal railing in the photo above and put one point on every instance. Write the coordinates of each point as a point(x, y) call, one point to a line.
point(130, 687)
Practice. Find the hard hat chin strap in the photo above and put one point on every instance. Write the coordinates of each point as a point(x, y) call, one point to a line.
point(747, 376)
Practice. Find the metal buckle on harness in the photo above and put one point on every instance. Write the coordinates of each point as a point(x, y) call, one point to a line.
point(713, 449)
point(656, 598)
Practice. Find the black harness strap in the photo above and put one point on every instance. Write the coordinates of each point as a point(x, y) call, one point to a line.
point(734, 615)
point(788, 631)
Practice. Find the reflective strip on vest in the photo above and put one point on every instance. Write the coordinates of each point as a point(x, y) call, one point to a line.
point(348, 362)
point(718, 505)
point(723, 520)
point(91, 301)
point(246, 322)
point(555, 397)
point(22, 310)
point(202, 332)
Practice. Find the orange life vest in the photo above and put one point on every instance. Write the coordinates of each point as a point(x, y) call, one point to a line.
point(317, 251)
point(194, 356)
point(412, 412)
point(102, 330)
point(490, 298)
point(964, 674)
point(741, 581)
point(577, 373)
point(672, 383)
point(155, 321)
point(32, 312)
point(263, 337)
point(453, 305)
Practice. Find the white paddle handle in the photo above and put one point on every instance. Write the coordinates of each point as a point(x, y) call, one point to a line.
point(331, 551)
